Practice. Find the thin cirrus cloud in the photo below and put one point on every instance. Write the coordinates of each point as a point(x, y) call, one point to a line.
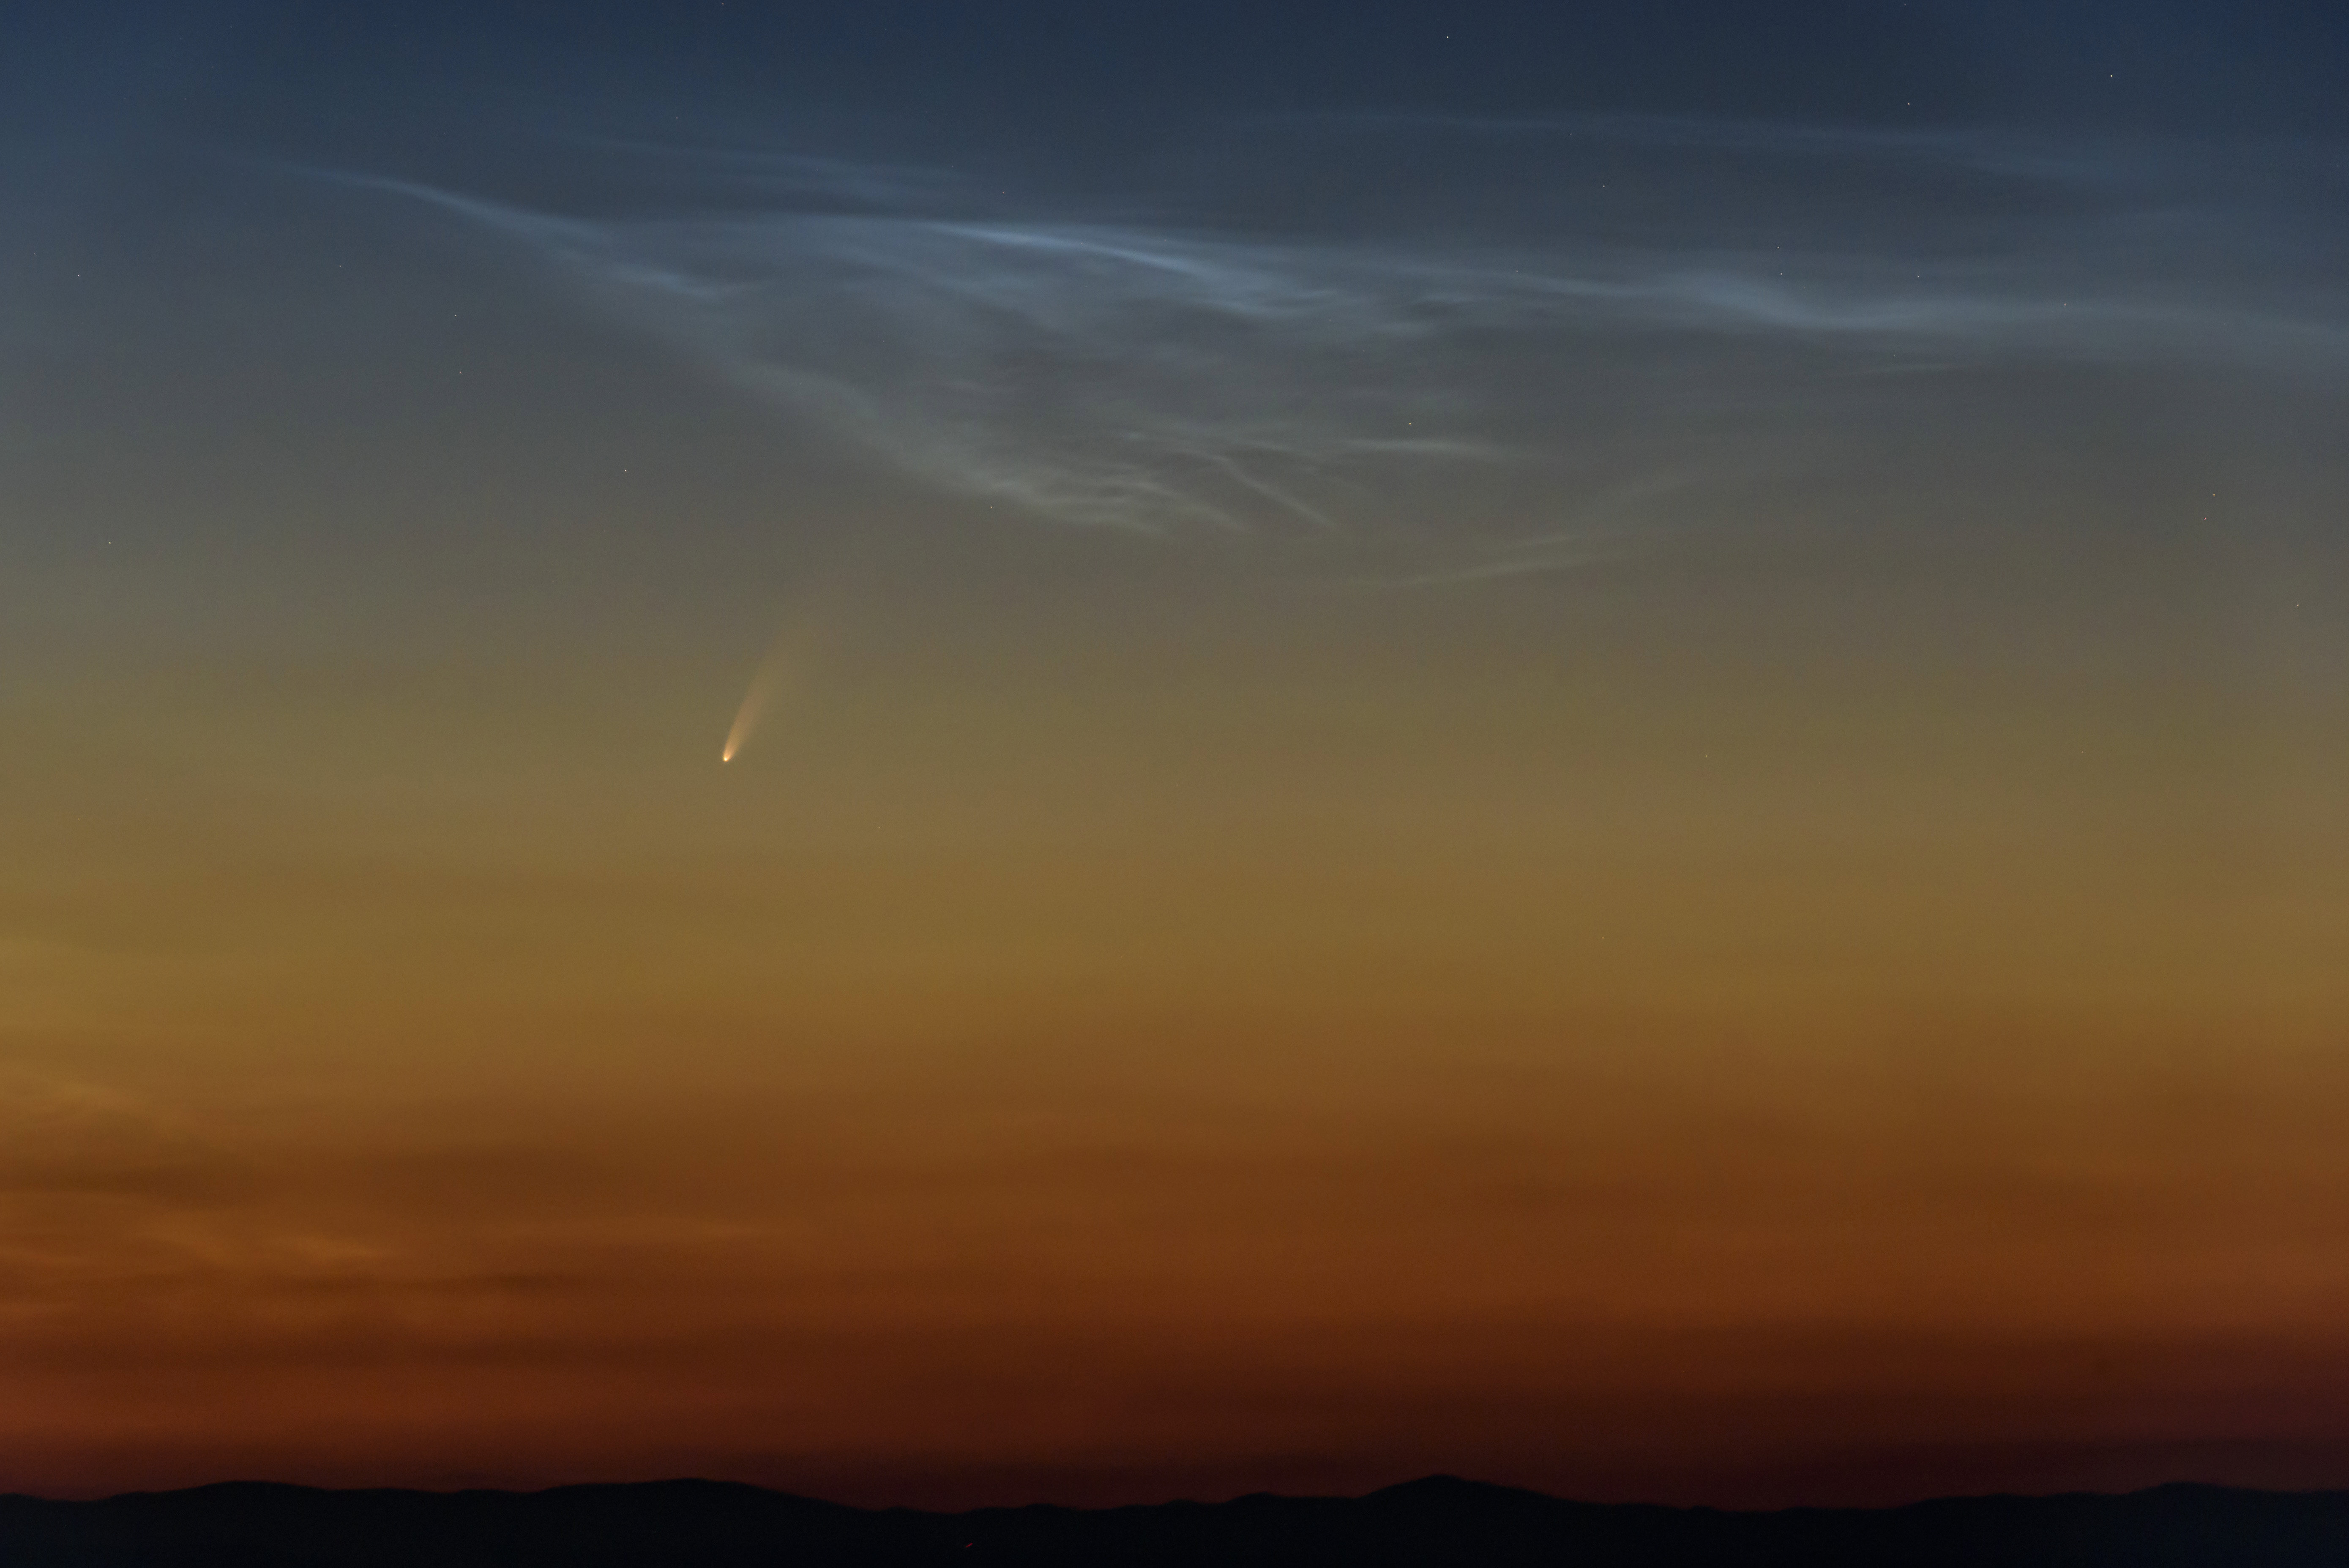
point(1639, 321)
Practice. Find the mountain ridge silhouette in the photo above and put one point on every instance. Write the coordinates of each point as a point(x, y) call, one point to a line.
point(1441, 1519)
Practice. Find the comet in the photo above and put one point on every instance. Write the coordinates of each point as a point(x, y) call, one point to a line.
point(754, 706)
point(778, 676)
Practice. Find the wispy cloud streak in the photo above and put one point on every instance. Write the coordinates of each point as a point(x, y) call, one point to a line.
point(1157, 376)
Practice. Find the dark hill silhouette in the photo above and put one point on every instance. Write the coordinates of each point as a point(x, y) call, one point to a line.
point(1438, 1520)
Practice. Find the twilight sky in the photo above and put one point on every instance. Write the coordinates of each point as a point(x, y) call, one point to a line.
point(1601, 745)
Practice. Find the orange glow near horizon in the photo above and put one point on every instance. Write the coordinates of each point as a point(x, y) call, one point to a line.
point(973, 1103)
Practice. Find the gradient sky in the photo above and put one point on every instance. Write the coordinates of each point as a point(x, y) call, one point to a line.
point(1607, 746)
